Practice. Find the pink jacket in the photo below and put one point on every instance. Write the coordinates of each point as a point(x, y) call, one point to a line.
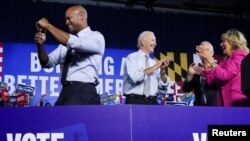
point(227, 76)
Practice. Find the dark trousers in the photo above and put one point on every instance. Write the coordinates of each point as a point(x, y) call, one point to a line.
point(141, 99)
point(78, 93)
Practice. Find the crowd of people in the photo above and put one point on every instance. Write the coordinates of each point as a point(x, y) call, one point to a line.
point(215, 83)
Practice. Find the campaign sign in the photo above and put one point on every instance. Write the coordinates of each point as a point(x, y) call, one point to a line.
point(188, 98)
point(25, 89)
point(4, 94)
point(3, 85)
point(110, 99)
point(12, 99)
point(173, 103)
point(22, 99)
point(162, 90)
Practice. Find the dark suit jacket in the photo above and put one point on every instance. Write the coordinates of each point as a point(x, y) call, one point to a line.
point(204, 95)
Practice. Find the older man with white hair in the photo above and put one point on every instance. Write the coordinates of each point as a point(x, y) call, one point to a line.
point(142, 74)
point(205, 95)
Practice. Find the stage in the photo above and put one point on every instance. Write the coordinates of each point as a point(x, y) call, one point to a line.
point(115, 123)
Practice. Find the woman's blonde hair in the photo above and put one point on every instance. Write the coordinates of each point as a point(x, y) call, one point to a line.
point(236, 39)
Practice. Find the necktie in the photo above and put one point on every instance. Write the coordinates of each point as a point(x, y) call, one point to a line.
point(146, 89)
point(66, 65)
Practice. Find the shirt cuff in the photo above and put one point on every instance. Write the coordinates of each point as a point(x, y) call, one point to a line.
point(72, 40)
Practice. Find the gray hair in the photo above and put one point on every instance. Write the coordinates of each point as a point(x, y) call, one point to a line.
point(142, 36)
point(211, 48)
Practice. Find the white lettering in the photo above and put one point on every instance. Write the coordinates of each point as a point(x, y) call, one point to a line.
point(34, 63)
point(244, 133)
point(56, 136)
point(53, 86)
point(108, 69)
point(217, 132)
point(33, 137)
point(40, 82)
point(33, 80)
point(203, 137)
point(214, 132)
point(108, 85)
point(43, 136)
point(21, 78)
point(29, 137)
point(122, 65)
point(10, 81)
point(118, 86)
point(36, 67)
point(43, 87)
point(11, 138)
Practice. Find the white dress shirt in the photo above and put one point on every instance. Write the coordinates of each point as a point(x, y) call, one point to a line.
point(87, 50)
point(134, 78)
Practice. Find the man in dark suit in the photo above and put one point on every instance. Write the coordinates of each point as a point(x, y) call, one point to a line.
point(205, 95)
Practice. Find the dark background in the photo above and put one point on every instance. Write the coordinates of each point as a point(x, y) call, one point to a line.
point(175, 31)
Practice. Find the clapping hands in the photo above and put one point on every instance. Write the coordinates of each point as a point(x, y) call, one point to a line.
point(165, 62)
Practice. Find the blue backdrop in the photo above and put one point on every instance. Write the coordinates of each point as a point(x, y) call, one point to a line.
point(175, 32)
point(21, 66)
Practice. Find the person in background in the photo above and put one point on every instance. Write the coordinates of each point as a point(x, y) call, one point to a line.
point(227, 74)
point(41, 101)
point(205, 95)
point(47, 104)
point(142, 74)
point(80, 54)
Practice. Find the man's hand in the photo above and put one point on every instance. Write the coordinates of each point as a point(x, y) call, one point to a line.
point(165, 62)
point(40, 38)
point(191, 69)
point(205, 54)
point(41, 26)
point(198, 69)
point(42, 23)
